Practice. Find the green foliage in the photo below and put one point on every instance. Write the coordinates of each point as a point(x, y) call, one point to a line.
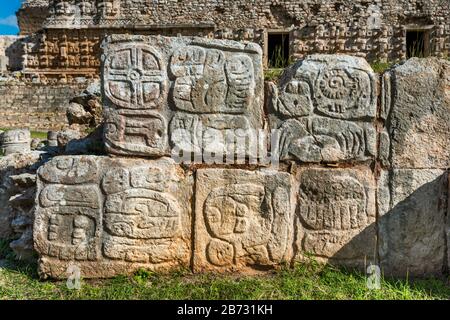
point(416, 50)
point(277, 59)
point(381, 67)
point(39, 135)
point(273, 74)
point(304, 281)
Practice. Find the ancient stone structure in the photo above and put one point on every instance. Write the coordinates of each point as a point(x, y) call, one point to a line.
point(32, 15)
point(59, 41)
point(15, 141)
point(112, 216)
point(217, 87)
point(312, 108)
point(352, 188)
point(413, 209)
point(37, 106)
point(17, 193)
point(70, 31)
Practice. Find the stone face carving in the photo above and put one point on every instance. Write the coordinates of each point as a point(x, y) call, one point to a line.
point(419, 125)
point(111, 217)
point(412, 223)
point(243, 219)
point(15, 141)
point(215, 87)
point(336, 215)
point(325, 107)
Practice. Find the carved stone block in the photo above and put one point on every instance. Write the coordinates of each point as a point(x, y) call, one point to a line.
point(214, 88)
point(419, 125)
point(15, 141)
point(243, 220)
point(110, 217)
point(324, 108)
point(336, 215)
point(412, 222)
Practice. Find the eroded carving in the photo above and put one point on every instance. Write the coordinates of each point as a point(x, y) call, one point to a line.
point(15, 141)
point(69, 222)
point(324, 108)
point(216, 90)
point(244, 223)
point(111, 216)
point(336, 210)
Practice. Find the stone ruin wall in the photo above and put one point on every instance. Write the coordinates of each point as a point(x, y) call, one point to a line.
point(363, 176)
point(60, 40)
point(376, 30)
point(32, 15)
point(36, 106)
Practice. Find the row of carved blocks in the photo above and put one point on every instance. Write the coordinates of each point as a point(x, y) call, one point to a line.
point(113, 216)
point(164, 94)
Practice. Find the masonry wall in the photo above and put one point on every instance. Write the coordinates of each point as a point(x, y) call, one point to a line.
point(373, 29)
point(32, 15)
point(35, 106)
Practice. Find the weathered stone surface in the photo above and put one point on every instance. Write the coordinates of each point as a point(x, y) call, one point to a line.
point(110, 217)
point(336, 215)
point(419, 124)
point(324, 107)
point(17, 189)
point(215, 87)
point(65, 136)
point(413, 205)
point(243, 220)
point(52, 138)
point(77, 115)
point(16, 141)
point(448, 222)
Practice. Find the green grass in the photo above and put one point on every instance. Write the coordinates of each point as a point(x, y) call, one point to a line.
point(306, 281)
point(273, 74)
point(39, 135)
point(381, 67)
point(34, 134)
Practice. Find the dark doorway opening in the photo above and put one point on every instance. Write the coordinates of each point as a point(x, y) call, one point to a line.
point(278, 50)
point(416, 43)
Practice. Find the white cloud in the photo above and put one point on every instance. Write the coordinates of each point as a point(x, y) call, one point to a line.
point(10, 21)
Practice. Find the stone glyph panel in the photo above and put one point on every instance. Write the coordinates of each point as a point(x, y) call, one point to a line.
point(417, 96)
point(336, 215)
point(412, 223)
point(243, 220)
point(179, 92)
point(325, 108)
point(109, 216)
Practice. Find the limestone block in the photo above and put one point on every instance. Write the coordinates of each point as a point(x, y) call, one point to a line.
point(213, 86)
point(336, 214)
point(324, 108)
point(448, 221)
point(243, 220)
point(419, 124)
point(16, 141)
point(413, 205)
point(112, 216)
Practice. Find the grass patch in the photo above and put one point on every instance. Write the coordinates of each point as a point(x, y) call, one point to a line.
point(273, 74)
point(305, 282)
point(34, 134)
point(39, 135)
point(381, 67)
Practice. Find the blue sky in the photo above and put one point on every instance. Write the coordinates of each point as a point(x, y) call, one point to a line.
point(8, 21)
